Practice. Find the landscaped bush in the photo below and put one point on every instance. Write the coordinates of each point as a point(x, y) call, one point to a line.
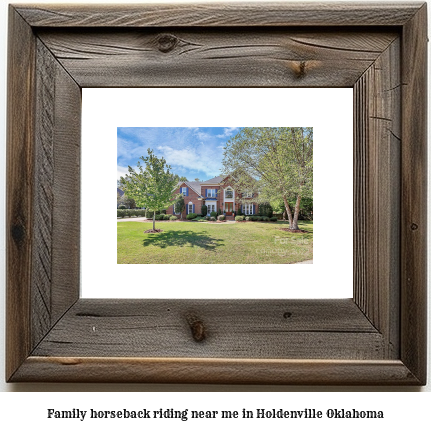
point(221, 217)
point(265, 218)
point(212, 218)
point(239, 218)
point(122, 207)
point(160, 217)
point(166, 217)
point(204, 210)
point(273, 218)
point(130, 213)
point(248, 218)
point(173, 218)
point(213, 214)
point(258, 218)
point(207, 218)
point(191, 216)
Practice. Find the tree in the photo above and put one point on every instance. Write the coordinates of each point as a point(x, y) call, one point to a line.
point(277, 162)
point(180, 179)
point(180, 205)
point(150, 187)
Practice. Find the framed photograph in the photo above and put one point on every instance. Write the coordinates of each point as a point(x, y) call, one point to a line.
point(376, 337)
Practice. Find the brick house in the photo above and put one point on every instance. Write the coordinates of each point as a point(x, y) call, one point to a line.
point(217, 194)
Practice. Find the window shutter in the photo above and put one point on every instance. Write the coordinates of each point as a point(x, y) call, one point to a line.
point(254, 209)
point(193, 207)
point(206, 192)
point(241, 209)
point(187, 191)
point(187, 209)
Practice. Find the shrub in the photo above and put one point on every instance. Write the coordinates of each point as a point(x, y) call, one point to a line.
point(248, 218)
point(204, 210)
point(212, 218)
point(221, 217)
point(122, 207)
point(239, 218)
point(265, 218)
point(167, 217)
point(121, 213)
point(273, 218)
point(258, 218)
point(173, 218)
point(213, 214)
point(191, 216)
point(202, 219)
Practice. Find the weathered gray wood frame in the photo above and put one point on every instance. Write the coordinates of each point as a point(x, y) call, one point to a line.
point(378, 337)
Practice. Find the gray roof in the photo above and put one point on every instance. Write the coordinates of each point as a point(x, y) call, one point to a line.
point(195, 185)
point(121, 193)
point(215, 180)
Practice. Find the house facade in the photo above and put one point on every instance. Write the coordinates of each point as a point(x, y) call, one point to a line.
point(218, 195)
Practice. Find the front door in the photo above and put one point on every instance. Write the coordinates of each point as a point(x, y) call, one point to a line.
point(229, 208)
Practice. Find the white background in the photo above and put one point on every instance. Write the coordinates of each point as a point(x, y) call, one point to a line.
point(330, 114)
point(405, 410)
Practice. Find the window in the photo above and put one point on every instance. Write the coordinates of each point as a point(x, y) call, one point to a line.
point(229, 193)
point(248, 194)
point(211, 208)
point(183, 191)
point(247, 209)
point(190, 208)
point(211, 193)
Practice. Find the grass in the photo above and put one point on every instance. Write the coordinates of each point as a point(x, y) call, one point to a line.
point(207, 243)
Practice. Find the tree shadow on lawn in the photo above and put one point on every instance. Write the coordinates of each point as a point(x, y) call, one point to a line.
point(182, 239)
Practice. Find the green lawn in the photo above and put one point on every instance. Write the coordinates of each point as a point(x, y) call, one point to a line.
point(193, 242)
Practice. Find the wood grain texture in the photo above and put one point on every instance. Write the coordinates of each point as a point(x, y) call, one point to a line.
point(234, 329)
point(211, 57)
point(377, 101)
point(414, 195)
point(55, 281)
point(19, 200)
point(216, 371)
point(52, 336)
point(220, 15)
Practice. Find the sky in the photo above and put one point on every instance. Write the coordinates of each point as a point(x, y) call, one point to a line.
point(193, 152)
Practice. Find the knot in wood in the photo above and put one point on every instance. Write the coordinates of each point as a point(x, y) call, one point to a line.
point(197, 328)
point(414, 226)
point(18, 233)
point(167, 42)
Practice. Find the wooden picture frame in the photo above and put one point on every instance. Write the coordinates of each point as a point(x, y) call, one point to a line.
point(378, 337)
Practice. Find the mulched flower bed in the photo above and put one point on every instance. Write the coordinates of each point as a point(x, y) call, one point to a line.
point(153, 231)
point(294, 230)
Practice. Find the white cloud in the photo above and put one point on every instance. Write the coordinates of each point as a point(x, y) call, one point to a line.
point(121, 171)
point(227, 132)
point(200, 159)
